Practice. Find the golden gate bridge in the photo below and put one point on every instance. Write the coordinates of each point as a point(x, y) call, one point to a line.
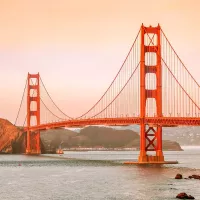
point(153, 88)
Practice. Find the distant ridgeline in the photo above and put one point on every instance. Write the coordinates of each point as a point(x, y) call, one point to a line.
point(13, 140)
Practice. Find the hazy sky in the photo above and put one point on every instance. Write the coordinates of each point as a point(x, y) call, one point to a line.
point(78, 46)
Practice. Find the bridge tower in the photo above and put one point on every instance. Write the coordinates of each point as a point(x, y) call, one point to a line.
point(33, 113)
point(150, 135)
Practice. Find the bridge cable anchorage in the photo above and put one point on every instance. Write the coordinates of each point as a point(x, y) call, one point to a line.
point(175, 77)
point(53, 101)
point(21, 102)
point(113, 79)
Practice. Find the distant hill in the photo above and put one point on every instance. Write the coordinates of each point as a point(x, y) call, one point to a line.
point(92, 136)
point(184, 135)
point(95, 136)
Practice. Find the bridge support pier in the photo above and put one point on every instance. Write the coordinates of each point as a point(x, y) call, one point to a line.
point(150, 140)
point(159, 152)
point(33, 143)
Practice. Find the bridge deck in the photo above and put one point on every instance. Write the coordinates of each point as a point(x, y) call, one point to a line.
point(123, 121)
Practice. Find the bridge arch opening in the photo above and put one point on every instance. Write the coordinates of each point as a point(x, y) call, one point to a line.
point(151, 107)
point(150, 59)
point(150, 81)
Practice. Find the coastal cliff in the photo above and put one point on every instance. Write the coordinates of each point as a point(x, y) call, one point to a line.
point(8, 135)
point(13, 140)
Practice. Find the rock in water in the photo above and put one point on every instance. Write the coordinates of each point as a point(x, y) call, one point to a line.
point(195, 176)
point(178, 176)
point(183, 195)
point(190, 197)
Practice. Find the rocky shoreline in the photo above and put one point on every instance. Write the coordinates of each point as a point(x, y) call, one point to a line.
point(184, 195)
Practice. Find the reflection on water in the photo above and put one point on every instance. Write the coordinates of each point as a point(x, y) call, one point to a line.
point(96, 175)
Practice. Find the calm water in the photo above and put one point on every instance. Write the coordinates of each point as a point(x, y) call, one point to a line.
point(96, 175)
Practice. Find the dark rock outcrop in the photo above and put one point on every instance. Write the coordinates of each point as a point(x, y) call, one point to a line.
point(19, 144)
point(178, 176)
point(8, 135)
point(183, 195)
point(194, 177)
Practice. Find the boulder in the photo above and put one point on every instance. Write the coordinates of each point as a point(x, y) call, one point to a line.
point(178, 176)
point(190, 197)
point(194, 176)
point(183, 195)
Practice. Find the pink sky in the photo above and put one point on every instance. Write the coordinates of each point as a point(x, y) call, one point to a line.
point(78, 46)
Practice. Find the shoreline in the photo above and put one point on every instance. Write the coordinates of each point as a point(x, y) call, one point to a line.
point(108, 149)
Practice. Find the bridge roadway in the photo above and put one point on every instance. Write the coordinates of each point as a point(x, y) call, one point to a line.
point(123, 121)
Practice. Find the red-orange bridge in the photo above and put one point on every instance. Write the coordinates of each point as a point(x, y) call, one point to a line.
point(153, 89)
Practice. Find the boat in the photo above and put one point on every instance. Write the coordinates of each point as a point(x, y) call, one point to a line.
point(59, 150)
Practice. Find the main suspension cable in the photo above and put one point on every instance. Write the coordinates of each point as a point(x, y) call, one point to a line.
point(21, 102)
point(53, 101)
point(113, 79)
